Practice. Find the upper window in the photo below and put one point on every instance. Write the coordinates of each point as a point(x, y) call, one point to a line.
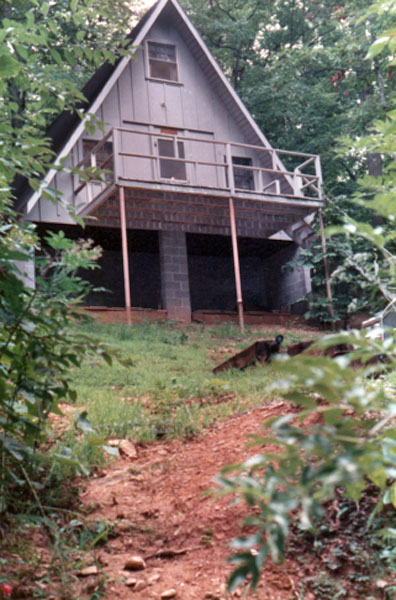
point(162, 61)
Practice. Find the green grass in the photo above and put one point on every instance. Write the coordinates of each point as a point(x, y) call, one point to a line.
point(169, 390)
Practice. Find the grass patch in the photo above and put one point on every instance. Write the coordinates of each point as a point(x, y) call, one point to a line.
point(169, 390)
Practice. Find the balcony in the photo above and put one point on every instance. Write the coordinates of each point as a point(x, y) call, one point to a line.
point(198, 166)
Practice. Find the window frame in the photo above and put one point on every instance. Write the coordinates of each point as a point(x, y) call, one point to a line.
point(249, 174)
point(176, 158)
point(148, 66)
point(107, 150)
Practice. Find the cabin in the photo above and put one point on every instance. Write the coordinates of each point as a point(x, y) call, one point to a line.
point(196, 210)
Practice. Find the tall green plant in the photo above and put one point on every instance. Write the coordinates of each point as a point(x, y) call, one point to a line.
point(37, 348)
point(46, 50)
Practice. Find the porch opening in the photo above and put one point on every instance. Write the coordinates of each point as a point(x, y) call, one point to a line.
point(144, 267)
point(266, 286)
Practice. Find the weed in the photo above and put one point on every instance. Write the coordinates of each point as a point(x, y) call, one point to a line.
point(326, 588)
point(207, 536)
point(228, 331)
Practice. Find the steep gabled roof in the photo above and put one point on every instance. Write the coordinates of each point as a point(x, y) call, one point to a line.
point(68, 127)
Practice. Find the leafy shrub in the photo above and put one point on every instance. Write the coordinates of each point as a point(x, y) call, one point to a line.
point(344, 437)
point(37, 348)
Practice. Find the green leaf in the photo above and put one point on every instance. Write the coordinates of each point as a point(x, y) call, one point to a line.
point(17, 450)
point(354, 490)
point(332, 415)
point(82, 422)
point(377, 47)
point(44, 8)
point(22, 51)
point(237, 577)
point(9, 66)
point(56, 56)
point(52, 26)
point(392, 494)
point(378, 476)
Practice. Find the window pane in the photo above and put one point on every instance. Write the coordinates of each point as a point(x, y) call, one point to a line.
point(166, 148)
point(171, 169)
point(180, 148)
point(243, 178)
point(162, 61)
point(164, 52)
point(163, 70)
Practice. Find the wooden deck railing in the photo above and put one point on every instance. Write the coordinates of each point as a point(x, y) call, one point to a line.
point(193, 162)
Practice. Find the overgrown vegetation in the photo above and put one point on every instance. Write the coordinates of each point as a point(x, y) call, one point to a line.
point(344, 440)
point(45, 52)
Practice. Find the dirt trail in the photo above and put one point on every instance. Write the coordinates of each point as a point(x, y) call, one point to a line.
point(159, 505)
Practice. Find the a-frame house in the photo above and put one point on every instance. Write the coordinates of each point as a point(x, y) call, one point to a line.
point(196, 208)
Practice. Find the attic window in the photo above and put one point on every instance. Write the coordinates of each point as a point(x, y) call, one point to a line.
point(162, 61)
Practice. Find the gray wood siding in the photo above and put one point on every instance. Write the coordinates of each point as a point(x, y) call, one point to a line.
point(135, 101)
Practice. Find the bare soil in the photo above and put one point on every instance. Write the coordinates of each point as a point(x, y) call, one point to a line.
point(164, 514)
point(160, 506)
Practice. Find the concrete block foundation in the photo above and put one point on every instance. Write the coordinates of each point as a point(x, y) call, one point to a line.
point(175, 287)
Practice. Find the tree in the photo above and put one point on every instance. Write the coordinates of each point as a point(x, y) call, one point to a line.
point(46, 50)
point(300, 69)
point(352, 442)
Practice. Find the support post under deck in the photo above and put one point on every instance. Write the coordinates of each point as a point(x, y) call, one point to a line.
point(236, 266)
point(326, 268)
point(125, 259)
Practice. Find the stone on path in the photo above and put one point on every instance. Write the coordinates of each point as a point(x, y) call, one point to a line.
point(135, 563)
point(92, 570)
point(168, 594)
point(125, 447)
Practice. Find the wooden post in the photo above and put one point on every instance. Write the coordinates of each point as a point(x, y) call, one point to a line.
point(117, 159)
point(231, 185)
point(236, 266)
point(230, 170)
point(326, 266)
point(318, 170)
point(125, 259)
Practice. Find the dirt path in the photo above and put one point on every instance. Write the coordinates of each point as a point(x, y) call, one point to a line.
point(159, 505)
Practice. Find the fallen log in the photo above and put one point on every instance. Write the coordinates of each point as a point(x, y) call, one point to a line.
point(331, 351)
point(259, 351)
point(339, 350)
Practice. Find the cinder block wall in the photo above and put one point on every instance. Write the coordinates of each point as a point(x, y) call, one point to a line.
point(175, 285)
